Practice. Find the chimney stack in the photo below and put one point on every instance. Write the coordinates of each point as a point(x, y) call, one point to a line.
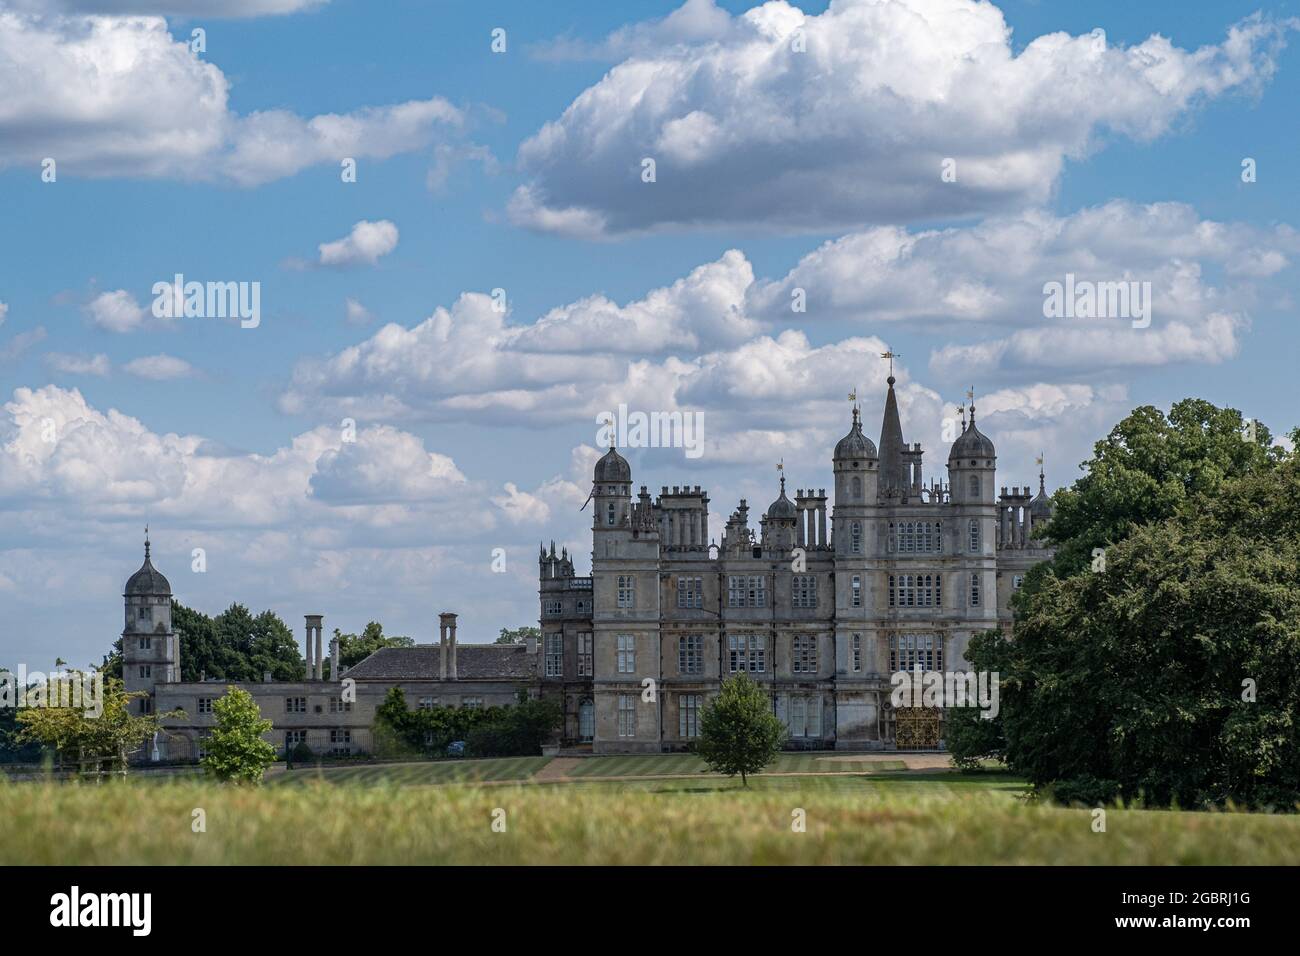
point(530, 642)
point(314, 662)
point(447, 625)
point(336, 673)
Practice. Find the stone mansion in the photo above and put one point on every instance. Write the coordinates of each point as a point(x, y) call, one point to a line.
point(820, 609)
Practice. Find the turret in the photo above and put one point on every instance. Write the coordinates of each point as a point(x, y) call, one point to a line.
point(150, 651)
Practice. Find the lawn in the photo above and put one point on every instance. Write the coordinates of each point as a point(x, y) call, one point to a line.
point(880, 818)
point(415, 773)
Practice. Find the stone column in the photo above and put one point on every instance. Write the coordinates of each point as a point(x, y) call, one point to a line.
point(821, 522)
point(307, 655)
point(442, 648)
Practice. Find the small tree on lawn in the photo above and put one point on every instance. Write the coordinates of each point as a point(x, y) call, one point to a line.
point(739, 734)
point(235, 749)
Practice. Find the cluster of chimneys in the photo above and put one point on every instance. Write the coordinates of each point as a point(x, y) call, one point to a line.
point(316, 661)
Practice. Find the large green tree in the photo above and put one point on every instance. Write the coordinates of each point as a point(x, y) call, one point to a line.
point(235, 750)
point(739, 734)
point(1170, 672)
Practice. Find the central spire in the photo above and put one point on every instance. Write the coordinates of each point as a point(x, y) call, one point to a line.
point(893, 472)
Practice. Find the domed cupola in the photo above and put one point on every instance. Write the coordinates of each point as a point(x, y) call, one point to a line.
point(783, 507)
point(1041, 507)
point(612, 467)
point(148, 580)
point(855, 445)
point(972, 443)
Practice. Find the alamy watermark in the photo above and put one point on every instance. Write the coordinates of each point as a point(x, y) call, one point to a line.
point(921, 688)
point(208, 300)
point(652, 430)
point(1085, 299)
point(81, 690)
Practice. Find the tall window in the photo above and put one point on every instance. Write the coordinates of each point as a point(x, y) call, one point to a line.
point(747, 652)
point(857, 488)
point(690, 592)
point(974, 535)
point(974, 484)
point(803, 590)
point(855, 592)
point(855, 538)
point(554, 655)
point(584, 654)
point(627, 654)
point(907, 651)
point(690, 654)
point(855, 652)
point(916, 537)
point(915, 590)
point(626, 590)
point(804, 655)
point(295, 705)
point(804, 718)
point(627, 715)
point(688, 715)
point(553, 606)
point(609, 514)
point(746, 590)
point(975, 589)
point(146, 643)
point(586, 721)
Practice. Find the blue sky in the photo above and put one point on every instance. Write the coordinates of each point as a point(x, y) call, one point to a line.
point(229, 442)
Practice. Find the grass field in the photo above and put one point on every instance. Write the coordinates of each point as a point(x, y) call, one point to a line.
point(373, 814)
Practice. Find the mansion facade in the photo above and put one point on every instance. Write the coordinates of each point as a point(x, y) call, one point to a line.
point(818, 606)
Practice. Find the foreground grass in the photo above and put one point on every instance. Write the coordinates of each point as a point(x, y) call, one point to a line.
point(880, 819)
point(421, 773)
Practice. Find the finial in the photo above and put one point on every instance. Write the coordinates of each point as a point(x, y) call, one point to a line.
point(970, 395)
point(962, 412)
point(146, 542)
point(891, 355)
point(1042, 489)
point(609, 423)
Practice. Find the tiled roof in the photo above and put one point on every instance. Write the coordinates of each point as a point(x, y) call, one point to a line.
point(473, 662)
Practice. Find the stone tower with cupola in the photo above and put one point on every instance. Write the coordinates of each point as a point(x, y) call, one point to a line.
point(151, 653)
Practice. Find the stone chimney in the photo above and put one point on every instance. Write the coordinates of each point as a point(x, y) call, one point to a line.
point(315, 662)
point(531, 643)
point(447, 630)
point(336, 673)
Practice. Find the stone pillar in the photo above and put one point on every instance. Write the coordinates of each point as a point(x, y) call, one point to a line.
point(442, 647)
point(311, 666)
point(336, 672)
point(452, 671)
point(320, 652)
point(822, 542)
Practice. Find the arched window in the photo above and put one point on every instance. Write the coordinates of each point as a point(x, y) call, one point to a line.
point(974, 486)
point(857, 488)
point(855, 540)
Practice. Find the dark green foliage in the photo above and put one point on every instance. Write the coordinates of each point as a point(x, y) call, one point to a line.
point(302, 753)
point(355, 648)
point(739, 734)
point(1128, 682)
point(515, 731)
point(517, 635)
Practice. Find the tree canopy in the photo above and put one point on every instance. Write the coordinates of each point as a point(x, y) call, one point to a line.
point(1170, 673)
point(739, 734)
